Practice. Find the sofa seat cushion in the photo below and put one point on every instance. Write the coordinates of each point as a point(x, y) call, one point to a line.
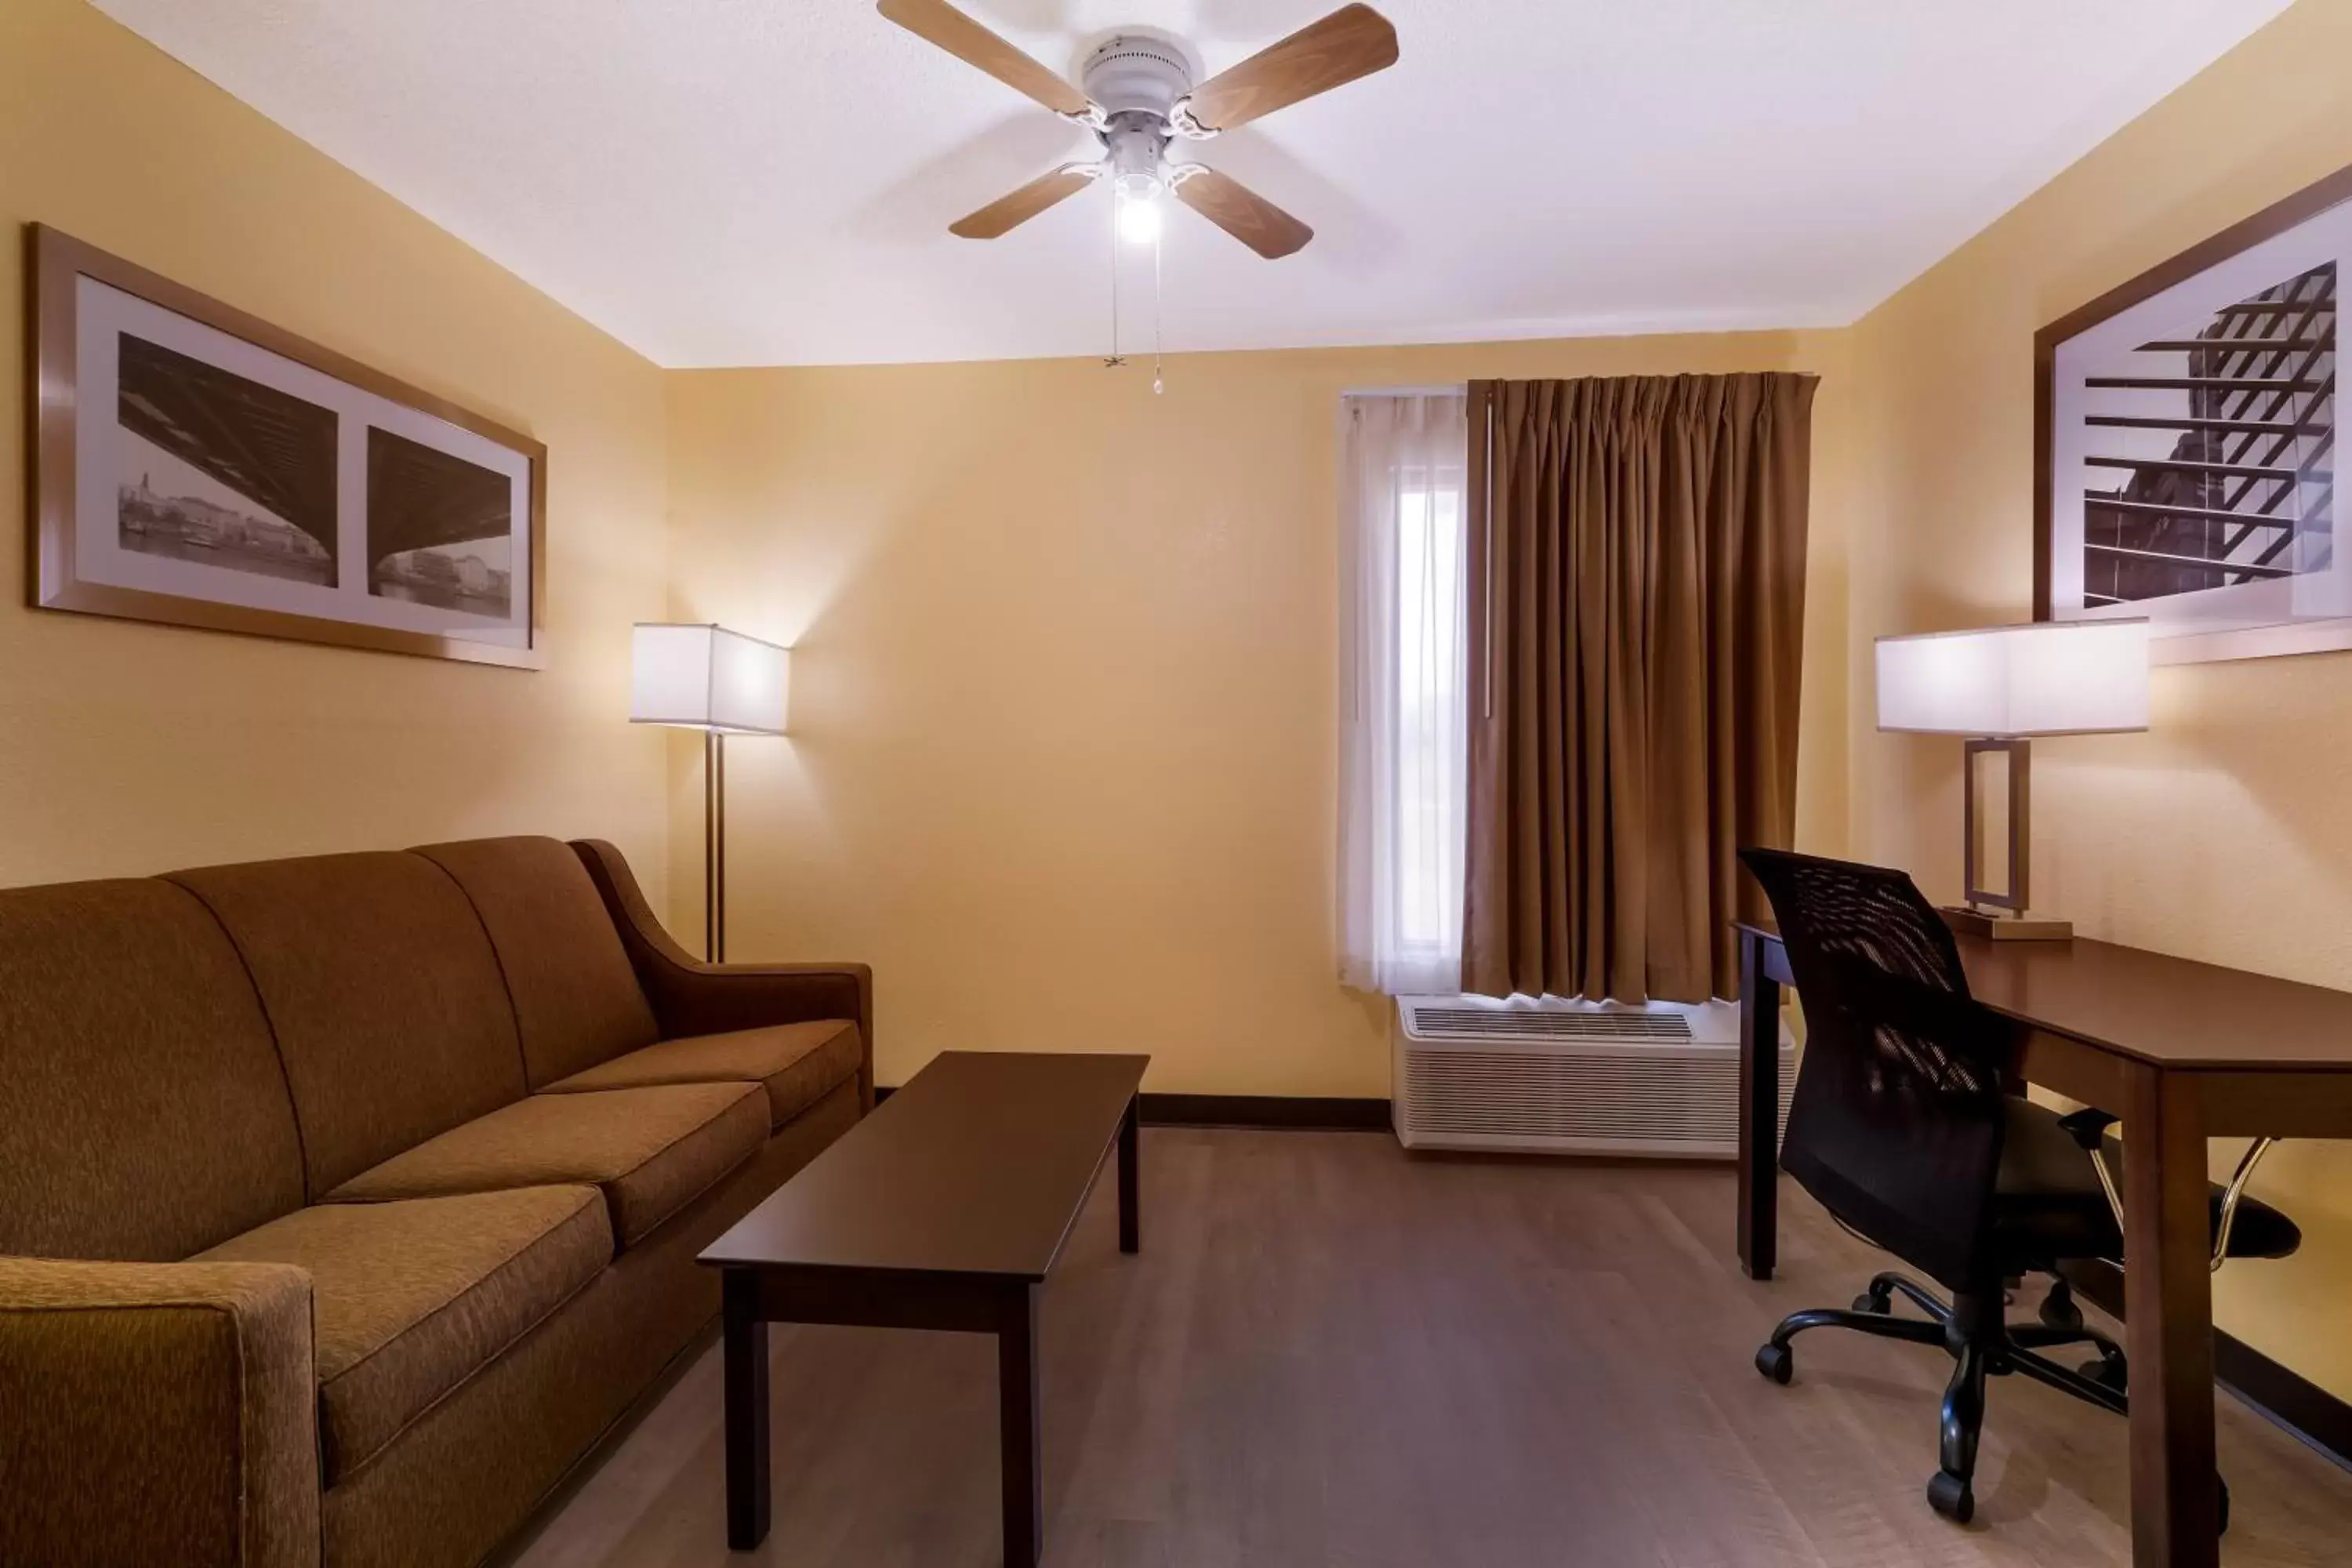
point(651, 1151)
point(797, 1064)
point(412, 1298)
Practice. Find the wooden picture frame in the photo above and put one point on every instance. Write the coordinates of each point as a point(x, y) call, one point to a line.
point(2224, 539)
point(245, 480)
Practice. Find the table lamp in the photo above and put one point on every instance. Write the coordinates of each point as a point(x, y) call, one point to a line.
point(1997, 687)
point(722, 683)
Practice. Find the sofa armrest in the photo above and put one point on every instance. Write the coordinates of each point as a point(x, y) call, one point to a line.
point(692, 997)
point(157, 1413)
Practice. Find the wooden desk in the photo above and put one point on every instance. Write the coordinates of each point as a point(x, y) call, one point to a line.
point(2182, 1052)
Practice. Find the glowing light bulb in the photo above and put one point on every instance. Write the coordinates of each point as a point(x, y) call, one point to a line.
point(1138, 217)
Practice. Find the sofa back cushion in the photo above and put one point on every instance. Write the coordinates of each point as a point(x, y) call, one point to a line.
point(143, 1113)
point(383, 994)
point(576, 999)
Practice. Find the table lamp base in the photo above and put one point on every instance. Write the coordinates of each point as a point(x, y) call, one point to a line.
point(1998, 927)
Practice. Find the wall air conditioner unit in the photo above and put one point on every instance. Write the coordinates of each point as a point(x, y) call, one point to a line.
point(1572, 1078)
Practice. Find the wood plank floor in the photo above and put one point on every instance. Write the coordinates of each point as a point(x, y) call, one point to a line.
point(1331, 1355)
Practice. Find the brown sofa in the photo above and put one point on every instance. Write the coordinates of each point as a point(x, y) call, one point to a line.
point(345, 1202)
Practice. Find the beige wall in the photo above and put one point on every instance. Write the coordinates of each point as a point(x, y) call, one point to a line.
point(1063, 709)
point(2226, 833)
point(128, 748)
point(1063, 761)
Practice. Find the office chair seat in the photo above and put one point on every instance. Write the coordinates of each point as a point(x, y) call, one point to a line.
point(2048, 1204)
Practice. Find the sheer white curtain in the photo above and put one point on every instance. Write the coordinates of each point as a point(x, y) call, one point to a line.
point(1402, 736)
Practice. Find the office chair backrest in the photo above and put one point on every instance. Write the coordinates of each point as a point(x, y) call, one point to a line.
point(1895, 1124)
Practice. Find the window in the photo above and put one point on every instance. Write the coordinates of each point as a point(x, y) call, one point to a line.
point(1404, 740)
point(1429, 747)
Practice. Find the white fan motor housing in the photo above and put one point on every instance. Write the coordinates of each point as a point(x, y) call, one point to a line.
point(1131, 73)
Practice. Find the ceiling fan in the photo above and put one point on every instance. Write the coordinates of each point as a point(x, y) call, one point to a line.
point(1138, 97)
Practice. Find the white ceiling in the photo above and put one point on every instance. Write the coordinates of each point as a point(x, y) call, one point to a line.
point(769, 182)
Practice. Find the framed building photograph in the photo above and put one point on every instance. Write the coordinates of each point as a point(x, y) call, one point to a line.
point(2185, 444)
point(198, 466)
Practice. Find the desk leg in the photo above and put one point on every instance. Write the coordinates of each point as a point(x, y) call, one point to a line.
point(1759, 1110)
point(2169, 1325)
point(746, 1379)
point(1017, 1403)
point(1130, 1219)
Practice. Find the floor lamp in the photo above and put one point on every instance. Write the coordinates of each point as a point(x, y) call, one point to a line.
point(1997, 689)
point(706, 678)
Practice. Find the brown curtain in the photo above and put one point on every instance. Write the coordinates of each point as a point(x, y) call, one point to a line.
point(1637, 598)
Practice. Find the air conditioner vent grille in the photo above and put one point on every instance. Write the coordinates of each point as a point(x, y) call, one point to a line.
point(1659, 1101)
point(1572, 1078)
point(1498, 1024)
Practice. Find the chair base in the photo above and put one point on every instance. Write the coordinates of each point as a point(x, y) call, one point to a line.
point(1982, 1344)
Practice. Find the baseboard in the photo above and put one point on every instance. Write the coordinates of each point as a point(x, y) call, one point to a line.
point(1292, 1113)
point(1297, 1113)
point(2300, 1406)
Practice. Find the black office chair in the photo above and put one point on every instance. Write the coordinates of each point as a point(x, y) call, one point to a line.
point(1901, 1127)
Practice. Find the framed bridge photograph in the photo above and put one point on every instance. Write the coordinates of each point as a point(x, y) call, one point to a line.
point(198, 466)
point(2185, 444)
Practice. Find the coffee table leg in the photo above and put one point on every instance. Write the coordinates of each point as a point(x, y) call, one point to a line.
point(1130, 1222)
point(747, 1411)
point(1016, 1401)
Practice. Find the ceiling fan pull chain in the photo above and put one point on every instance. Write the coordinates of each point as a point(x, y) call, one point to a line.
point(1156, 295)
point(1116, 359)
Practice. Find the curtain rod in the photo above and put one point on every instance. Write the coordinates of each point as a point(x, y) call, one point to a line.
point(1448, 390)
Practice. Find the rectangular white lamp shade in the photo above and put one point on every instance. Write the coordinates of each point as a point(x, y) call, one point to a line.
point(2052, 678)
point(707, 678)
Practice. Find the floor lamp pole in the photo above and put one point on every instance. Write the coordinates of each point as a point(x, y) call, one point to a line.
point(714, 845)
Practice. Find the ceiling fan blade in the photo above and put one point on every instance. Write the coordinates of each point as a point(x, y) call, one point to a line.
point(1242, 213)
point(1352, 41)
point(951, 30)
point(1009, 212)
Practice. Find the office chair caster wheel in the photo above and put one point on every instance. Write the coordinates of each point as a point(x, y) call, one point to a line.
point(2059, 1312)
point(1777, 1363)
point(2109, 1372)
point(1953, 1498)
point(1869, 1302)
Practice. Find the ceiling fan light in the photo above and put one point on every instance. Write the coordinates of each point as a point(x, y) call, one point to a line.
point(1138, 216)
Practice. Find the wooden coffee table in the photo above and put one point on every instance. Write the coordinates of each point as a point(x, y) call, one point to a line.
point(944, 1209)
